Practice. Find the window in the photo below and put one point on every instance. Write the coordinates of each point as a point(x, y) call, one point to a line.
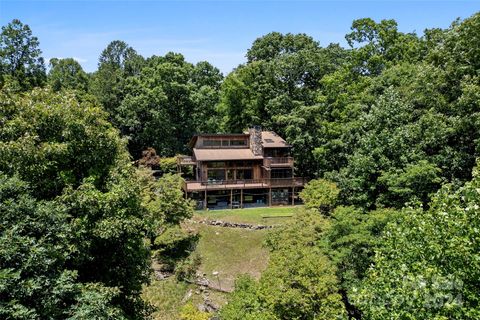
point(225, 143)
point(216, 174)
point(281, 173)
point(216, 164)
point(244, 174)
point(238, 142)
point(230, 174)
point(212, 143)
point(276, 152)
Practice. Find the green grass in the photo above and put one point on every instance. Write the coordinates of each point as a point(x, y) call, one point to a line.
point(166, 296)
point(265, 215)
point(169, 296)
point(230, 252)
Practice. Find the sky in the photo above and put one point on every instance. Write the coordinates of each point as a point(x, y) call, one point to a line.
point(219, 32)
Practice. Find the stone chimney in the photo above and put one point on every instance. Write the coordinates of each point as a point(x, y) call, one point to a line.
point(256, 140)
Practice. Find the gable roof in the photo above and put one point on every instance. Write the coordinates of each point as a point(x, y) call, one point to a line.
point(272, 140)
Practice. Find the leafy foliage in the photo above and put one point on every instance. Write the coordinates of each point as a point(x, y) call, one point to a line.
point(427, 266)
point(67, 74)
point(189, 312)
point(299, 282)
point(116, 63)
point(20, 57)
point(170, 98)
point(320, 194)
point(73, 243)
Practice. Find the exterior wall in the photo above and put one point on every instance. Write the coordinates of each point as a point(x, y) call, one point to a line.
point(257, 172)
point(256, 168)
point(246, 198)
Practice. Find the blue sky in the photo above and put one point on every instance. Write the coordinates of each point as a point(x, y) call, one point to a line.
point(217, 31)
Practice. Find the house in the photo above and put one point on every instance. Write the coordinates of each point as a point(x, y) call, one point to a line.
point(250, 169)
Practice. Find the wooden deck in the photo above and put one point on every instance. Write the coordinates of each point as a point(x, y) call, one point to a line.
point(191, 186)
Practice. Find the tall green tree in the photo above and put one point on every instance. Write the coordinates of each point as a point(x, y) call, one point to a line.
point(20, 56)
point(299, 282)
point(67, 74)
point(73, 220)
point(167, 103)
point(282, 74)
point(427, 267)
point(117, 62)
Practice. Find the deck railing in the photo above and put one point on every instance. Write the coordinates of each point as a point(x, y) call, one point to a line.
point(248, 183)
point(185, 160)
point(278, 162)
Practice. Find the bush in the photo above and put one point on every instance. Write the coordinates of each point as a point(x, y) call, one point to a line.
point(187, 269)
point(320, 194)
point(189, 312)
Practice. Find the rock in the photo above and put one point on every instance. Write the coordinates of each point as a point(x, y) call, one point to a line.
point(187, 296)
point(161, 275)
point(219, 223)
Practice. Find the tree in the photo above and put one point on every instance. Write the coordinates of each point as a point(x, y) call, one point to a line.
point(34, 240)
point(417, 182)
point(320, 194)
point(380, 45)
point(117, 62)
point(427, 266)
point(80, 216)
point(170, 99)
point(274, 44)
point(67, 74)
point(299, 282)
point(20, 57)
point(352, 237)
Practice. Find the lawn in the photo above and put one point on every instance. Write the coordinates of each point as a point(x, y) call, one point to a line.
point(169, 296)
point(265, 215)
point(230, 252)
point(226, 251)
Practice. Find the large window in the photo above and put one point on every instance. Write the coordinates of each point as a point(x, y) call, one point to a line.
point(224, 143)
point(243, 174)
point(281, 173)
point(276, 152)
point(216, 174)
point(280, 196)
point(216, 164)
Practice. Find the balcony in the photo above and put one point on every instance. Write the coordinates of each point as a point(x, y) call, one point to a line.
point(185, 161)
point(272, 162)
point(191, 186)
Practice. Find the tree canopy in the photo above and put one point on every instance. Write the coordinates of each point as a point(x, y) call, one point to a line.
point(387, 130)
point(20, 56)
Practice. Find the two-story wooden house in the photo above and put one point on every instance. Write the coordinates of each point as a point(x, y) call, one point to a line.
point(241, 170)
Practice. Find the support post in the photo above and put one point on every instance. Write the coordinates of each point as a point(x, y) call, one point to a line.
point(241, 198)
point(231, 198)
point(293, 196)
point(270, 197)
point(205, 202)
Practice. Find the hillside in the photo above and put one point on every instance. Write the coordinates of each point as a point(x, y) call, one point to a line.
point(230, 252)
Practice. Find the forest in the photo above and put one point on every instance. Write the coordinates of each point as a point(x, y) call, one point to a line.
point(387, 130)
